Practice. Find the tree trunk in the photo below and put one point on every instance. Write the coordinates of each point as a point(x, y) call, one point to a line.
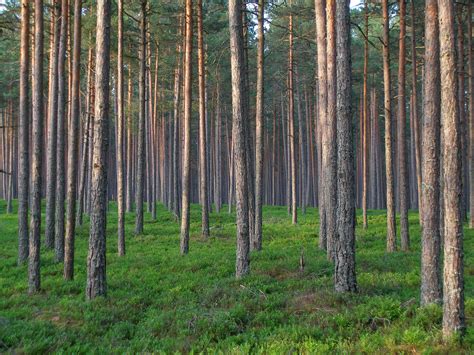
point(453, 302)
point(96, 267)
point(239, 114)
point(391, 229)
point(23, 135)
point(202, 126)
point(320, 12)
point(129, 199)
point(292, 131)
point(120, 137)
point(52, 129)
point(86, 138)
point(140, 185)
point(60, 138)
point(430, 236)
point(344, 275)
point(259, 120)
point(37, 150)
point(471, 118)
point(402, 148)
point(365, 121)
point(176, 145)
point(73, 147)
point(186, 173)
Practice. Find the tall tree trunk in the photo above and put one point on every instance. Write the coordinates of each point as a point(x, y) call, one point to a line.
point(73, 147)
point(416, 122)
point(365, 121)
point(202, 126)
point(52, 128)
point(86, 138)
point(176, 145)
point(60, 138)
point(218, 151)
point(23, 134)
point(430, 236)
point(320, 11)
point(402, 148)
point(292, 131)
point(140, 185)
point(471, 118)
point(329, 132)
point(239, 114)
point(128, 202)
point(186, 173)
point(259, 121)
point(96, 267)
point(345, 274)
point(120, 137)
point(453, 302)
point(391, 230)
point(37, 150)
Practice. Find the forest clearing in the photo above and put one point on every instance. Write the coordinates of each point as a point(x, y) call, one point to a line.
point(236, 176)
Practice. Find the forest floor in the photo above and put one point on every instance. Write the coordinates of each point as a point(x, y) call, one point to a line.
point(159, 301)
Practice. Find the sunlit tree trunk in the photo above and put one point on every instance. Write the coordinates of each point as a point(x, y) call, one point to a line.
point(140, 184)
point(202, 126)
point(320, 11)
point(52, 129)
point(365, 120)
point(259, 145)
point(292, 131)
point(239, 114)
point(391, 231)
point(430, 236)
point(453, 301)
point(186, 172)
point(23, 134)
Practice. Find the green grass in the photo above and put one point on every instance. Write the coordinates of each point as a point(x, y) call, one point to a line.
point(159, 301)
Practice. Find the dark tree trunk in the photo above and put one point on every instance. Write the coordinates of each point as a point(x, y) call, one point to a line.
point(96, 266)
point(120, 137)
point(37, 153)
point(60, 138)
point(345, 274)
point(73, 147)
